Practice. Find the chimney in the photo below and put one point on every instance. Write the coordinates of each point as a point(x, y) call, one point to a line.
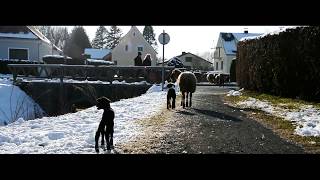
point(183, 53)
point(246, 30)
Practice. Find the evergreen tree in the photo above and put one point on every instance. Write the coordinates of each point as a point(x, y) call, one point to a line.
point(113, 37)
point(77, 42)
point(99, 40)
point(149, 35)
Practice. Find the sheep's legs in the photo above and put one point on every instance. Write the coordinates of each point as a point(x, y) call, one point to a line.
point(190, 99)
point(187, 99)
point(183, 99)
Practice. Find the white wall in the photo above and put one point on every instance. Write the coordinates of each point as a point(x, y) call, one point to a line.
point(227, 59)
point(126, 58)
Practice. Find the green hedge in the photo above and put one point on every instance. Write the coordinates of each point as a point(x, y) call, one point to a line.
point(287, 64)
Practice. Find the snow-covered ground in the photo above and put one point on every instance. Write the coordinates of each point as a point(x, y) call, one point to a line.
point(74, 132)
point(235, 93)
point(306, 117)
point(15, 103)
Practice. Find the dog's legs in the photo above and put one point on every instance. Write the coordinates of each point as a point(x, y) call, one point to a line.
point(97, 141)
point(102, 137)
point(173, 103)
point(190, 99)
point(111, 139)
point(108, 140)
point(168, 102)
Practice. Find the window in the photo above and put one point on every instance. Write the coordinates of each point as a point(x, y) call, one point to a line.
point(21, 54)
point(217, 65)
point(140, 48)
point(221, 65)
point(115, 62)
point(188, 59)
point(126, 48)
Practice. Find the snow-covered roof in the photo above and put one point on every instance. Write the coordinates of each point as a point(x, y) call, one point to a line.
point(25, 32)
point(194, 56)
point(21, 35)
point(230, 47)
point(97, 53)
point(100, 61)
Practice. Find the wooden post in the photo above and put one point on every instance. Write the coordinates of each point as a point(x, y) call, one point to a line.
point(61, 92)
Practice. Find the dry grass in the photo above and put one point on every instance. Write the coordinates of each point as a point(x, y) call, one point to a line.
point(154, 130)
point(285, 129)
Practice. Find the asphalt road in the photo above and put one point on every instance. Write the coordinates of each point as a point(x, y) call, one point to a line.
point(211, 126)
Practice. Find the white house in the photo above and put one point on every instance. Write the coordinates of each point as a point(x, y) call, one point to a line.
point(25, 43)
point(226, 50)
point(129, 46)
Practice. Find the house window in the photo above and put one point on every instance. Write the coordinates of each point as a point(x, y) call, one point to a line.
point(21, 54)
point(126, 48)
point(140, 48)
point(115, 62)
point(221, 65)
point(217, 65)
point(188, 59)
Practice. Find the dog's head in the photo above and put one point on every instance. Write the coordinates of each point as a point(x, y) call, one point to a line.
point(103, 103)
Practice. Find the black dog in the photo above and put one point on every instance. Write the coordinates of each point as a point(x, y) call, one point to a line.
point(171, 95)
point(106, 124)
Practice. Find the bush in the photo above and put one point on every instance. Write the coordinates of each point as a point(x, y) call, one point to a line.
point(233, 71)
point(287, 64)
point(4, 68)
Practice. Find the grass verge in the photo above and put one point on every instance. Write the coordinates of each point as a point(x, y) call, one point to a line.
point(285, 129)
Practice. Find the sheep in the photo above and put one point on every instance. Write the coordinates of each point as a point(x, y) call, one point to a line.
point(187, 83)
point(211, 78)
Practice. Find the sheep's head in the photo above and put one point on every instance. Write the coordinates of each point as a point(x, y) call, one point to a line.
point(170, 85)
point(175, 74)
point(211, 77)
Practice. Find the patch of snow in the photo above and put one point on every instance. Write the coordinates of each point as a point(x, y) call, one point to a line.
point(306, 117)
point(74, 132)
point(55, 135)
point(92, 61)
point(53, 56)
point(276, 32)
point(234, 93)
point(56, 80)
point(15, 103)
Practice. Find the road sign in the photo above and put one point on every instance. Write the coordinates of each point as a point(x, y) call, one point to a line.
point(164, 38)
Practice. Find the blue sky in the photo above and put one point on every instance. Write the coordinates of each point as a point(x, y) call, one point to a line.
point(194, 39)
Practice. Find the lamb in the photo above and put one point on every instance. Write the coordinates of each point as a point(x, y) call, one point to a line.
point(187, 83)
point(171, 95)
point(211, 78)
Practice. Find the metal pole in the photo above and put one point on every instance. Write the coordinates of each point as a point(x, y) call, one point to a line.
point(163, 61)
